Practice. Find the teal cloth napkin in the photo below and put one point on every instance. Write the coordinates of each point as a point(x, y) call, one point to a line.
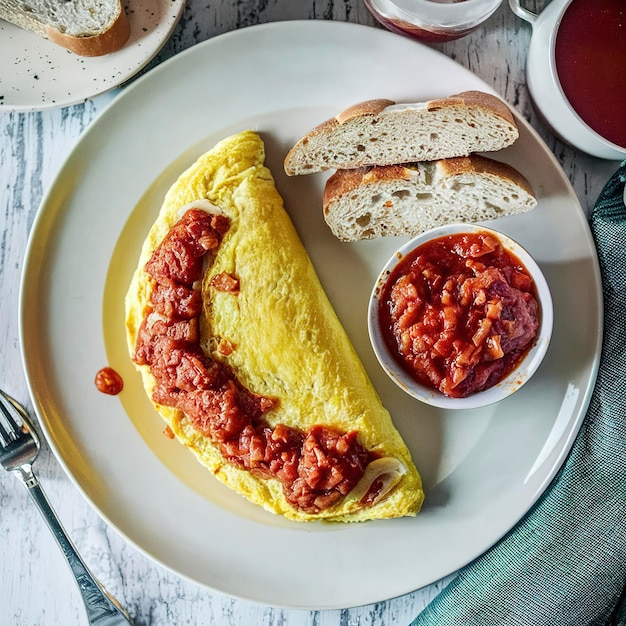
point(564, 564)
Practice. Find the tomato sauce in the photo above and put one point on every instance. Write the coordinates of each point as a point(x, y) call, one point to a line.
point(459, 313)
point(590, 56)
point(109, 381)
point(317, 468)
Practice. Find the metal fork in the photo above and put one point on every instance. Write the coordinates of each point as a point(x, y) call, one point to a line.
point(19, 447)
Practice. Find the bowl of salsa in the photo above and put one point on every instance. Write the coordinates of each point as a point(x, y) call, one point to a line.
point(460, 316)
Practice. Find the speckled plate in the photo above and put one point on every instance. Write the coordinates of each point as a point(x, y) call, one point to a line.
point(482, 468)
point(37, 74)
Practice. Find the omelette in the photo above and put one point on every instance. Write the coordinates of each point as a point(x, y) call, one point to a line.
point(243, 356)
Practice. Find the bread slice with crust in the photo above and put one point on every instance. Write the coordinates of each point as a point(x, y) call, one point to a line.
point(378, 201)
point(382, 132)
point(85, 27)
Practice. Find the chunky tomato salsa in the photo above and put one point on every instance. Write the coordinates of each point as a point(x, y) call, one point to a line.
point(317, 468)
point(459, 313)
point(109, 381)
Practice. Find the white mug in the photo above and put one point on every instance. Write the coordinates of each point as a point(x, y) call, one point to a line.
point(545, 86)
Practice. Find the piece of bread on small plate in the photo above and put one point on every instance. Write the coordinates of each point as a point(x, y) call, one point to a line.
point(383, 132)
point(86, 27)
point(393, 200)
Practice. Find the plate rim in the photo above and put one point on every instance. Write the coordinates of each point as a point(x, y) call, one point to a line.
point(39, 223)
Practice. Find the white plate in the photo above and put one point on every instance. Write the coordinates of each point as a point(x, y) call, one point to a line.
point(482, 469)
point(36, 74)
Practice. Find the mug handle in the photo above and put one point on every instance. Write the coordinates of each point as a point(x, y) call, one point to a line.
point(520, 11)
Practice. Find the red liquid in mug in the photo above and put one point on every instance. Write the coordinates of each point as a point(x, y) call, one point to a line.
point(590, 56)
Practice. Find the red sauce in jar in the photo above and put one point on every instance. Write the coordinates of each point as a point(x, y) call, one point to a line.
point(317, 468)
point(388, 14)
point(459, 313)
point(590, 57)
point(109, 381)
point(416, 32)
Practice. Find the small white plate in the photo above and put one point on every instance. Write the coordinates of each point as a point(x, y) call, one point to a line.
point(36, 74)
point(482, 468)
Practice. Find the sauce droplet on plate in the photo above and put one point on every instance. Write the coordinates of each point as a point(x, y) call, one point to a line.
point(109, 381)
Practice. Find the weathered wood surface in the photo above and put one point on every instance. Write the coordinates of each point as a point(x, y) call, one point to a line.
point(35, 584)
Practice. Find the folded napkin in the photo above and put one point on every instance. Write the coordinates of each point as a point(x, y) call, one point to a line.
point(564, 564)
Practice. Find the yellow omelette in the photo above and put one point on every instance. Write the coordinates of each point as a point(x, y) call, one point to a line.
point(284, 342)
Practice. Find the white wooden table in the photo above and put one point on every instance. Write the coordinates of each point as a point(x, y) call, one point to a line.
point(36, 587)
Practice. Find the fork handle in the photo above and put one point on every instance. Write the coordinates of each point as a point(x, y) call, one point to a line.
point(102, 609)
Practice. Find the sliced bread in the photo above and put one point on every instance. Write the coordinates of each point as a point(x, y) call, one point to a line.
point(371, 202)
point(86, 27)
point(381, 132)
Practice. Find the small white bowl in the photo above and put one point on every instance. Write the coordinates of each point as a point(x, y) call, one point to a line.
point(515, 380)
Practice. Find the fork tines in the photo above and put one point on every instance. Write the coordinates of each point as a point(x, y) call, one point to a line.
point(10, 421)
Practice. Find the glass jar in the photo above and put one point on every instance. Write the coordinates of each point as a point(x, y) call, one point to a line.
point(432, 20)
